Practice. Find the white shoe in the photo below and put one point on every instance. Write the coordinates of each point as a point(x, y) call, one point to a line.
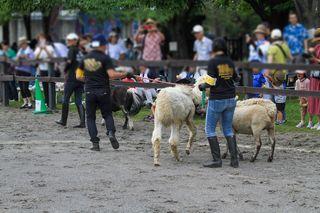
point(300, 125)
point(310, 125)
point(316, 126)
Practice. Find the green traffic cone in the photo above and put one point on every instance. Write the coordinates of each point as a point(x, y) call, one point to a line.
point(40, 107)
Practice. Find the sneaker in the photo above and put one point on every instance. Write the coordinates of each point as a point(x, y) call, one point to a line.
point(29, 106)
point(310, 125)
point(316, 126)
point(300, 125)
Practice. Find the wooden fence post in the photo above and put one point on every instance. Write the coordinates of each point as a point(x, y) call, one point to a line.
point(3, 89)
point(247, 77)
point(52, 88)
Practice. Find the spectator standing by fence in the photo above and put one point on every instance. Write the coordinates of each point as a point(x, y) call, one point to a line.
point(116, 49)
point(151, 40)
point(9, 53)
point(203, 49)
point(296, 35)
point(44, 50)
point(314, 102)
point(24, 53)
point(303, 83)
point(278, 53)
point(258, 49)
point(72, 85)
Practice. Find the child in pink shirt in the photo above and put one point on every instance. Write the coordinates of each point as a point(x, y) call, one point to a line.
point(303, 83)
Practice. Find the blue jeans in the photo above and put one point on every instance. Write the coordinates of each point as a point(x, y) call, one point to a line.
point(222, 110)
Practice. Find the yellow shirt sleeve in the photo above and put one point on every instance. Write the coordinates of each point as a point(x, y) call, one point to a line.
point(79, 73)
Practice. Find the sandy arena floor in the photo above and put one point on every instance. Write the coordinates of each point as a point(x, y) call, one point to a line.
point(46, 168)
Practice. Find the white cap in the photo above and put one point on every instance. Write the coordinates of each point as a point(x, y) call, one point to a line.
point(197, 29)
point(276, 33)
point(72, 36)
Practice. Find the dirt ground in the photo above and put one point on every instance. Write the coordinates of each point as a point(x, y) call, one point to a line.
point(46, 168)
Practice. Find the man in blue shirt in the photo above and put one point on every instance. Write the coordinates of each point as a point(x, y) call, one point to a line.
point(296, 35)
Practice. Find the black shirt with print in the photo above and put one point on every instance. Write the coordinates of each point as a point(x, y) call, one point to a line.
point(73, 59)
point(95, 65)
point(222, 68)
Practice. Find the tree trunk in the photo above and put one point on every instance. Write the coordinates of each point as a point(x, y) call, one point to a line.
point(27, 25)
point(6, 32)
point(180, 30)
point(308, 12)
point(49, 22)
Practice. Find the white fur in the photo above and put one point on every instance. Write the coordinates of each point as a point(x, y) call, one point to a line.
point(174, 107)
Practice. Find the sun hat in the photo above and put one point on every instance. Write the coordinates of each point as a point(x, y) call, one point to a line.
point(22, 40)
point(276, 33)
point(72, 36)
point(261, 28)
point(150, 21)
point(197, 29)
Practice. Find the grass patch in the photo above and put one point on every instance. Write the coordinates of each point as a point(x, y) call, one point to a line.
point(292, 112)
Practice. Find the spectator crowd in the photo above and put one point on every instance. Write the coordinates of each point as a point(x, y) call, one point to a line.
point(290, 45)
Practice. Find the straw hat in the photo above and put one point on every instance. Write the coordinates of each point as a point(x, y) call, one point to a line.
point(150, 21)
point(261, 29)
point(22, 40)
point(278, 77)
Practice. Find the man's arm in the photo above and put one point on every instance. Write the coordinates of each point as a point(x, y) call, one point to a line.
point(115, 75)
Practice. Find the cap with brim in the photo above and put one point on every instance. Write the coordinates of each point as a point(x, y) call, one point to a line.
point(72, 36)
point(300, 71)
point(111, 34)
point(99, 40)
point(197, 29)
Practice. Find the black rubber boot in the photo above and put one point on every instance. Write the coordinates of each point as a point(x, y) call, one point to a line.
point(215, 151)
point(232, 146)
point(81, 112)
point(113, 140)
point(95, 144)
point(64, 115)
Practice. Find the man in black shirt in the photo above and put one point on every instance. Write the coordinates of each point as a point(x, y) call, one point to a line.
point(72, 85)
point(95, 70)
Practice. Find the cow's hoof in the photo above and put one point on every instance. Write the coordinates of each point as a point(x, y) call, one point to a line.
point(252, 159)
point(224, 156)
point(187, 151)
point(156, 163)
point(270, 159)
point(241, 157)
